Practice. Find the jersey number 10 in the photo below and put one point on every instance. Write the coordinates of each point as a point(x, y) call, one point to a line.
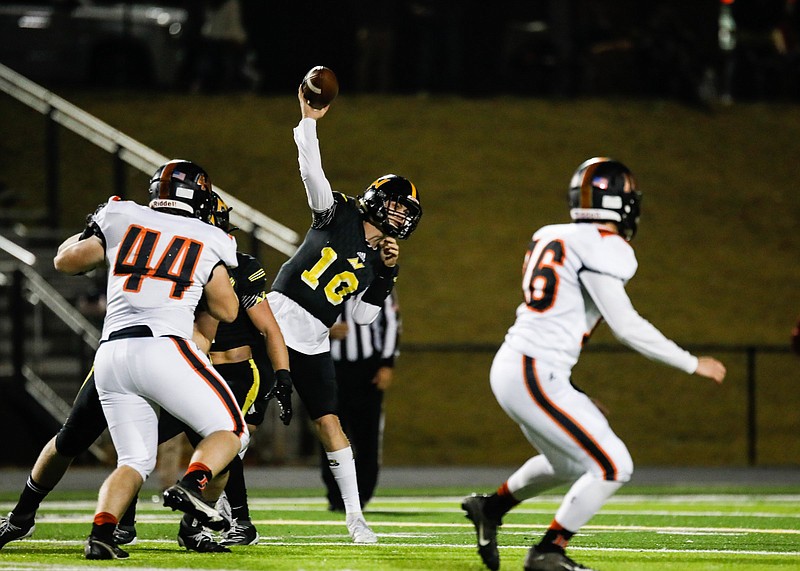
point(339, 286)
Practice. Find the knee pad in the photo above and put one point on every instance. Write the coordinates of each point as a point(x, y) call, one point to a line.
point(624, 465)
point(143, 465)
point(625, 471)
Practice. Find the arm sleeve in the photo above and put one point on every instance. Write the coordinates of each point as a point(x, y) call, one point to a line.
point(318, 189)
point(364, 312)
point(370, 302)
point(375, 294)
point(252, 284)
point(629, 327)
point(391, 331)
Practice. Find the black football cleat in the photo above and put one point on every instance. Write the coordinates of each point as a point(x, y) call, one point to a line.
point(547, 561)
point(242, 532)
point(194, 538)
point(13, 531)
point(125, 535)
point(96, 549)
point(179, 498)
point(485, 528)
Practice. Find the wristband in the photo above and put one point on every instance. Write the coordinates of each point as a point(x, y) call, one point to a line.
point(381, 286)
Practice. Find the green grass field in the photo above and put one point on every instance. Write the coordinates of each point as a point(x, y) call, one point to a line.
point(652, 528)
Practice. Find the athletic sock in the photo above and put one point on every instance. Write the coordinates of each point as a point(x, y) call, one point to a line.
point(103, 527)
point(343, 468)
point(129, 517)
point(499, 503)
point(555, 539)
point(236, 490)
point(196, 477)
point(29, 501)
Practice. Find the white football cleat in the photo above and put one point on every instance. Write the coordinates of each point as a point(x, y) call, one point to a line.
point(360, 531)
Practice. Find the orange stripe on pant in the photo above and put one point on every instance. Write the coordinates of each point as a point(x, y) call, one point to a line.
point(213, 381)
point(573, 428)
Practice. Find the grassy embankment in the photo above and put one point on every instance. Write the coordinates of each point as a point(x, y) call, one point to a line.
point(718, 243)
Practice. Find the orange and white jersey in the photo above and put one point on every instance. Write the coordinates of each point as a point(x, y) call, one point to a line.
point(158, 265)
point(574, 275)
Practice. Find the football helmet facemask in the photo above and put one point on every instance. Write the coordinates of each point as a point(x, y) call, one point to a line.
point(391, 203)
point(604, 190)
point(220, 215)
point(183, 188)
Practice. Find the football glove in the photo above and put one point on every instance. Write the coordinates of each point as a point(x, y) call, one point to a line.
point(92, 229)
point(282, 393)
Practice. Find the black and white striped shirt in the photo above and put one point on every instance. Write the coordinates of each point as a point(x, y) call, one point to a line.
point(365, 341)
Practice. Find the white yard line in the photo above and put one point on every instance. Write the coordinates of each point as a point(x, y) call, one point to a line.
point(346, 542)
point(379, 505)
point(170, 518)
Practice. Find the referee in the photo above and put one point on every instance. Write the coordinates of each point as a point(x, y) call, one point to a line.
point(364, 359)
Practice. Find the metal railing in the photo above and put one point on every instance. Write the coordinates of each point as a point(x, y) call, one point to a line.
point(27, 284)
point(124, 150)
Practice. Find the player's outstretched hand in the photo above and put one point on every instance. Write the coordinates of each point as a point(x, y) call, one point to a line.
point(308, 112)
point(282, 392)
point(711, 368)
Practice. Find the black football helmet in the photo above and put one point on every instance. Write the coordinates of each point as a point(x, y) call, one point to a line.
point(381, 206)
point(183, 188)
point(604, 190)
point(220, 215)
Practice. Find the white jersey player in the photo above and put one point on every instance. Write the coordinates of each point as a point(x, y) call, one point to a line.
point(161, 260)
point(159, 266)
point(573, 276)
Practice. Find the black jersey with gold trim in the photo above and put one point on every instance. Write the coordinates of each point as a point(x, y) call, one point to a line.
point(334, 262)
point(249, 281)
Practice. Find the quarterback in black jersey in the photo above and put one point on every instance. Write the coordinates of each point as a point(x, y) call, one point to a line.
point(351, 250)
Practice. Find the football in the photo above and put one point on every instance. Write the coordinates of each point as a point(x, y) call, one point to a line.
point(320, 87)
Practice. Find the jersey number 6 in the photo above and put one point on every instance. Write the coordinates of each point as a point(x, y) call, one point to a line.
point(540, 280)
